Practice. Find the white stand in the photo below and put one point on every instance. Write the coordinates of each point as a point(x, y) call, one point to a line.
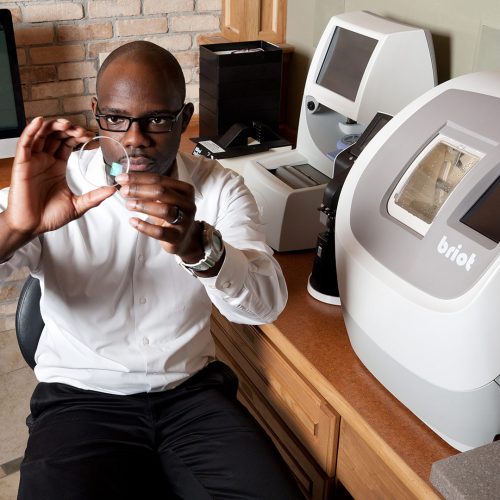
point(327, 299)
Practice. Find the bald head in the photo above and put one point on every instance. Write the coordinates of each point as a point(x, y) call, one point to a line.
point(155, 62)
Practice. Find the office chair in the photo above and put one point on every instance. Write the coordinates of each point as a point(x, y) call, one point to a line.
point(29, 323)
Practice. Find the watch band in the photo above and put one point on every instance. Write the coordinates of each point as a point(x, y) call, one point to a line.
point(213, 246)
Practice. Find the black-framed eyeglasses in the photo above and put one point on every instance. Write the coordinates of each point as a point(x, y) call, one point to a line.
point(150, 124)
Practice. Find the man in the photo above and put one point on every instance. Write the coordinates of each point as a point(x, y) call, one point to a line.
point(130, 403)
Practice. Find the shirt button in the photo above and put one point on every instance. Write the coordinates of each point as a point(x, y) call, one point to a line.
point(140, 258)
point(142, 300)
point(145, 341)
point(226, 284)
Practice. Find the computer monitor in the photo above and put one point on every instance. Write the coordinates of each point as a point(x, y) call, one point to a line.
point(12, 118)
point(363, 64)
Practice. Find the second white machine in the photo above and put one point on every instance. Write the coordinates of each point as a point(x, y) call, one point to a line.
point(363, 64)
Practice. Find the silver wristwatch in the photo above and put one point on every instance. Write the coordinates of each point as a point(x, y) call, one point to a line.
point(213, 247)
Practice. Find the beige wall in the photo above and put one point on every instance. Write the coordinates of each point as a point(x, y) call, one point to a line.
point(60, 44)
point(304, 20)
point(466, 34)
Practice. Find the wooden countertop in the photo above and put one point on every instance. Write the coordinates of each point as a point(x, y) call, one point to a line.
point(313, 336)
point(5, 168)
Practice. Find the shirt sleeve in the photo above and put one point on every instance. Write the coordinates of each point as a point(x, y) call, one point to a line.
point(27, 256)
point(250, 287)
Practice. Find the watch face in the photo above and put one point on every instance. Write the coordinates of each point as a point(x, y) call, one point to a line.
point(217, 241)
point(214, 245)
point(214, 248)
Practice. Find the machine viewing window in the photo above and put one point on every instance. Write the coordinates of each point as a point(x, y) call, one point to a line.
point(429, 181)
point(345, 62)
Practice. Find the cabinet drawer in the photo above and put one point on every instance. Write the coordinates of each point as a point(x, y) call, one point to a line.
point(313, 482)
point(307, 415)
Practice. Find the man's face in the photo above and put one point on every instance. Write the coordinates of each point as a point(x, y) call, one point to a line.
point(135, 90)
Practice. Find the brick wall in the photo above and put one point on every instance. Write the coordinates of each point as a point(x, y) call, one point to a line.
point(61, 43)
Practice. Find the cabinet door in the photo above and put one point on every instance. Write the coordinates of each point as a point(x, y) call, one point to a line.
point(281, 385)
point(314, 483)
point(254, 20)
point(364, 470)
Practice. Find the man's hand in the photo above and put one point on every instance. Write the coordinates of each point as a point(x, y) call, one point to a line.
point(171, 207)
point(39, 197)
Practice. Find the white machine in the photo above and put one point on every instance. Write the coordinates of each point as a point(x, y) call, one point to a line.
point(418, 260)
point(363, 64)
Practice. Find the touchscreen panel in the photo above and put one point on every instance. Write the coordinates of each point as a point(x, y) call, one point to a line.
point(345, 62)
point(483, 215)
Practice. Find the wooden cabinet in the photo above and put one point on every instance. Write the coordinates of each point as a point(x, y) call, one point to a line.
point(300, 422)
point(254, 20)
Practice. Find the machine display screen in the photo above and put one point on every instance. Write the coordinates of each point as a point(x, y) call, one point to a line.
point(8, 111)
point(483, 216)
point(345, 62)
point(429, 181)
point(12, 118)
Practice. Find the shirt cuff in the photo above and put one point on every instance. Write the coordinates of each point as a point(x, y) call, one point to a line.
point(231, 275)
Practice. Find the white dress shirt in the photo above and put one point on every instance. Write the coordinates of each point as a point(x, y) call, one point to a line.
point(121, 315)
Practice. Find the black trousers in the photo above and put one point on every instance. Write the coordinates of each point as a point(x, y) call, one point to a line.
point(192, 442)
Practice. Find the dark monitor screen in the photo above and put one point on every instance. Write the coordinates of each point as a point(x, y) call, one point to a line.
point(345, 62)
point(12, 119)
point(483, 215)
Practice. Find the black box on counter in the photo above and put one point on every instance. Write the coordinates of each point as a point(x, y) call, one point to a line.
point(239, 82)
